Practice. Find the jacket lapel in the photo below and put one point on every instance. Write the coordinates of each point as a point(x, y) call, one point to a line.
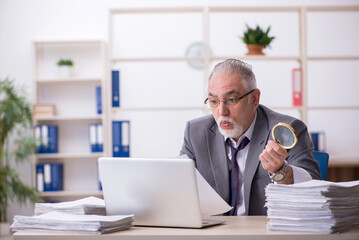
point(258, 142)
point(218, 161)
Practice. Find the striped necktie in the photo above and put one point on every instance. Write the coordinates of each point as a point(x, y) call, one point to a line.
point(235, 173)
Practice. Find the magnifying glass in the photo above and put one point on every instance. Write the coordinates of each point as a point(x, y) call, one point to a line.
point(284, 135)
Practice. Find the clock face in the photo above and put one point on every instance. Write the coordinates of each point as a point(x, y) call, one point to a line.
point(196, 49)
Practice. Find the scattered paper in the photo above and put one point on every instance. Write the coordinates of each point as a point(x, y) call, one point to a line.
point(210, 201)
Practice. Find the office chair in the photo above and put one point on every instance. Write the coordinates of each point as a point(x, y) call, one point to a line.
point(322, 158)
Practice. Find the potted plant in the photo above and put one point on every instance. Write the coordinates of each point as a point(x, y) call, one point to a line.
point(17, 144)
point(256, 39)
point(65, 66)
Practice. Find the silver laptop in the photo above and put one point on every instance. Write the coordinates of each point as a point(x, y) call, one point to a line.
point(159, 192)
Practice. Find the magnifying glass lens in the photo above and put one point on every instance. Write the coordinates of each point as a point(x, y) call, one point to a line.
point(284, 135)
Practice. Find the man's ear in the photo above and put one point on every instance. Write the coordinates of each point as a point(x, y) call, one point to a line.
point(255, 97)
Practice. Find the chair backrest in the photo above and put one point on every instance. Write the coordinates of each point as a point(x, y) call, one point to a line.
point(322, 158)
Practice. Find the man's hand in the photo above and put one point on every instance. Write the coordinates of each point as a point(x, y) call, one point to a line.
point(272, 158)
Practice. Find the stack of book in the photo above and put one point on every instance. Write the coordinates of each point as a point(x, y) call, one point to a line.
point(313, 206)
point(89, 205)
point(44, 110)
point(84, 215)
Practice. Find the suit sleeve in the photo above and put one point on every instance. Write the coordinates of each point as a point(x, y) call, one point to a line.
point(187, 146)
point(301, 155)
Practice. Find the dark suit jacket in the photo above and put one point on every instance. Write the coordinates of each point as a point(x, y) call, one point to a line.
point(205, 145)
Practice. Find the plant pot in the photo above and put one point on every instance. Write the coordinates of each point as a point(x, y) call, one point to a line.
point(65, 71)
point(255, 49)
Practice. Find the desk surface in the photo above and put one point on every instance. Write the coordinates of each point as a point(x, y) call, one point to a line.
point(248, 228)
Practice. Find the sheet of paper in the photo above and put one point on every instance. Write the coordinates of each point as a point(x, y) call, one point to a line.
point(211, 202)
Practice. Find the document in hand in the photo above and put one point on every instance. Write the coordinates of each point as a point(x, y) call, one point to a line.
point(89, 205)
point(313, 206)
point(59, 221)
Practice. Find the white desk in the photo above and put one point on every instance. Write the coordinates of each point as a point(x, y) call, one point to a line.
point(248, 228)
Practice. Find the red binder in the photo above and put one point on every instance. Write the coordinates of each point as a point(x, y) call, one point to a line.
point(297, 85)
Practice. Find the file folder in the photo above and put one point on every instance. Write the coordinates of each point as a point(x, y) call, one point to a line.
point(92, 137)
point(116, 88)
point(49, 177)
point(318, 139)
point(121, 138)
point(37, 133)
point(52, 139)
point(99, 100)
point(99, 137)
point(297, 86)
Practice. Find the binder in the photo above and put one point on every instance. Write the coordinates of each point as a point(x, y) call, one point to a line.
point(115, 88)
point(49, 177)
point(44, 138)
point(99, 100)
point(40, 177)
point(37, 133)
point(121, 138)
point(319, 142)
point(297, 86)
point(92, 137)
point(52, 139)
point(99, 137)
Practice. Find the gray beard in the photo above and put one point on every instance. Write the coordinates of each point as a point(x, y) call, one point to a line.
point(237, 130)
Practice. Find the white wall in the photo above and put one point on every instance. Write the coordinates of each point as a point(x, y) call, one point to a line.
point(25, 21)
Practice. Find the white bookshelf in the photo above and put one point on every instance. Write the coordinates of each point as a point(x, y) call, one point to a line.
point(302, 58)
point(74, 98)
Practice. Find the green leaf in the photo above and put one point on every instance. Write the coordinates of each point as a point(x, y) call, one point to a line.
point(257, 36)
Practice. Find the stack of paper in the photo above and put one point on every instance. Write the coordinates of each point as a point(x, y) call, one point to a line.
point(58, 221)
point(313, 206)
point(89, 205)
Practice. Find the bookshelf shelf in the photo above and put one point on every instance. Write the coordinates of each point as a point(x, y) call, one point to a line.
point(69, 118)
point(115, 110)
point(334, 58)
point(257, 58)
point(157, 59)
point(69, 155)
point(75, 100)
point(69, 81)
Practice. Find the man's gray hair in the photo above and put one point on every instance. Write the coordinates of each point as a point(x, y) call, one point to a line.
point(231, 66)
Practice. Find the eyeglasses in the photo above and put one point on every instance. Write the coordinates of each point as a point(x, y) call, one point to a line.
point(232, 101)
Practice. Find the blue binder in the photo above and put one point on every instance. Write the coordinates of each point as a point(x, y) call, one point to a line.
point(318, 139)
point(121, 138)
point(115, 88)
point(40, 177)
point(99, 100)
point(99, 137)
point(37, 134)
point(51, 175)
point(52, 139)
point(96, 137)
point(93, 137)
point(44, 139)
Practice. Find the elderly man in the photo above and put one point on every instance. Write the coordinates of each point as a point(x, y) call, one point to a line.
point(233, 149)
